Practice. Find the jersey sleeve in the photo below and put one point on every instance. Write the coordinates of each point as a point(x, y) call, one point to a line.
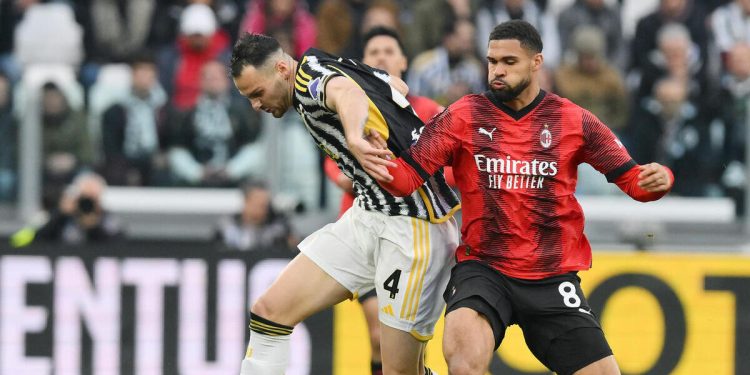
point(628, 183)
point(602, 150)
point(441, 137)
point(311, 80)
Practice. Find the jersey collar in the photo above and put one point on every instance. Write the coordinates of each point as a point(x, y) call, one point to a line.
point(516, 115)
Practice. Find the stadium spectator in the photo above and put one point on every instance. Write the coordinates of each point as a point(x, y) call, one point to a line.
point(735, 110)
point(689, 13)
point(66, 145)
point(200, 41)
point(591, 81)
point(79, 217)
point(337, 24)
point(259, 226)
point(215, 145)
point(291, 162)
point(670, 130)
point(523, 237)
point(678, 57)
point(165, 23)
point(429, 20)
point(451, 70)
point(594, 13)
point(133, 130)
point(8, 141)
point(494, 12)
point(118, 29)
point(288, 21)
point(730, 24)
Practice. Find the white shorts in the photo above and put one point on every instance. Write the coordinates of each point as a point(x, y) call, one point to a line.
point(407, 260)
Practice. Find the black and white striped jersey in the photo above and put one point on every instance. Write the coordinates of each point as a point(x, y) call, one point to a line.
point(389, 114)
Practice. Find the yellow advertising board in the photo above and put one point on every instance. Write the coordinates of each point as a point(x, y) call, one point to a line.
point(664, 313)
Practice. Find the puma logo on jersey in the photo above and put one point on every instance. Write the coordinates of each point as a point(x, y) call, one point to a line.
point(487, 133)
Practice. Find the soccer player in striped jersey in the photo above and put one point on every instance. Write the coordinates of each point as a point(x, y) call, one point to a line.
point(400, 245)
point(515, 150)
point(384, 50)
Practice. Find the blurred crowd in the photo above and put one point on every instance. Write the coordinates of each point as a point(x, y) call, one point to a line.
point(138, 90)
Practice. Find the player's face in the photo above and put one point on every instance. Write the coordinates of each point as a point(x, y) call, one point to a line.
point(267, 88)
point(510, 68)
point(384, 53)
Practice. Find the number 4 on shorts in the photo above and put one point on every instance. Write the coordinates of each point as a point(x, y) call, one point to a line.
point(391, 283)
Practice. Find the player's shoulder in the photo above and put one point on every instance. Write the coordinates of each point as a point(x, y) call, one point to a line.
point(317, 54)
point(565, 104)
point(468, 101)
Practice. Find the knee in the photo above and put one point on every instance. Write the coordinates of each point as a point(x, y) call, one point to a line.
point(265, 309)
point(464, 367)
point(462, 363)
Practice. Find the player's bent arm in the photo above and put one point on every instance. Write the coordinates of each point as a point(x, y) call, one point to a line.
point(646, 183)
point(350, 102)
point(344, 97)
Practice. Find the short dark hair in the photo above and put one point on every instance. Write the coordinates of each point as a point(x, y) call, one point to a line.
point(253, 50)
point(521, 31)
point(252, 184)
point(142, 57)
point(383, 31)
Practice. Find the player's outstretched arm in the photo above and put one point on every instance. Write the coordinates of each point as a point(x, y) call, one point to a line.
point(350, 102)
point(647, 182)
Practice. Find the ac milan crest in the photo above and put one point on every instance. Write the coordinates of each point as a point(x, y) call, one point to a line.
point(545, 138)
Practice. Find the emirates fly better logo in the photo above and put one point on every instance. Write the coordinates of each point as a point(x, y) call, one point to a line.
point(511, 174)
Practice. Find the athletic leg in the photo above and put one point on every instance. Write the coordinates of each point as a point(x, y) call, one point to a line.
point(301, 290)
point(468, 342)
point(370, 309)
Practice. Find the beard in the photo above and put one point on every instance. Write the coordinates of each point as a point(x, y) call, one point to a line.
point(509, 92)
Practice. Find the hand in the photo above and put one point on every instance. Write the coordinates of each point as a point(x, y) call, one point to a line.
point(376, 141)
point(654, 178)
point(372, 159)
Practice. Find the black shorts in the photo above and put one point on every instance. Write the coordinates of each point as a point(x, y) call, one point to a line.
point(557, 323)
point(366, 296)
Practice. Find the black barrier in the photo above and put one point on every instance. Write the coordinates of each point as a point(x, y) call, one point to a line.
point(141, 308)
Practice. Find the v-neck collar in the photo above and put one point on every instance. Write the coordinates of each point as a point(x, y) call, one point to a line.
point(516, 115)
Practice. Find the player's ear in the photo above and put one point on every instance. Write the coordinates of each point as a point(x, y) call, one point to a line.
point(537, 61)
point(283, 68)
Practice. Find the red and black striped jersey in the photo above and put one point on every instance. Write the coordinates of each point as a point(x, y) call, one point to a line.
point(517, 173)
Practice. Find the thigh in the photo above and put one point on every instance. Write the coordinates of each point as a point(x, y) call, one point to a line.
point(412, 270)
point(344, 250)
point(550, 309)
point(468, 341)
point(301, 290)
point(476, 286)
point(581, 351)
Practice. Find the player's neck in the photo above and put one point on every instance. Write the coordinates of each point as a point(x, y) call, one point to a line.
point(524, 98)
point(290, 81)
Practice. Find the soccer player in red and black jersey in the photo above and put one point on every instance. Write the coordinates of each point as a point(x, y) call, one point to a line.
point(514, 152)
